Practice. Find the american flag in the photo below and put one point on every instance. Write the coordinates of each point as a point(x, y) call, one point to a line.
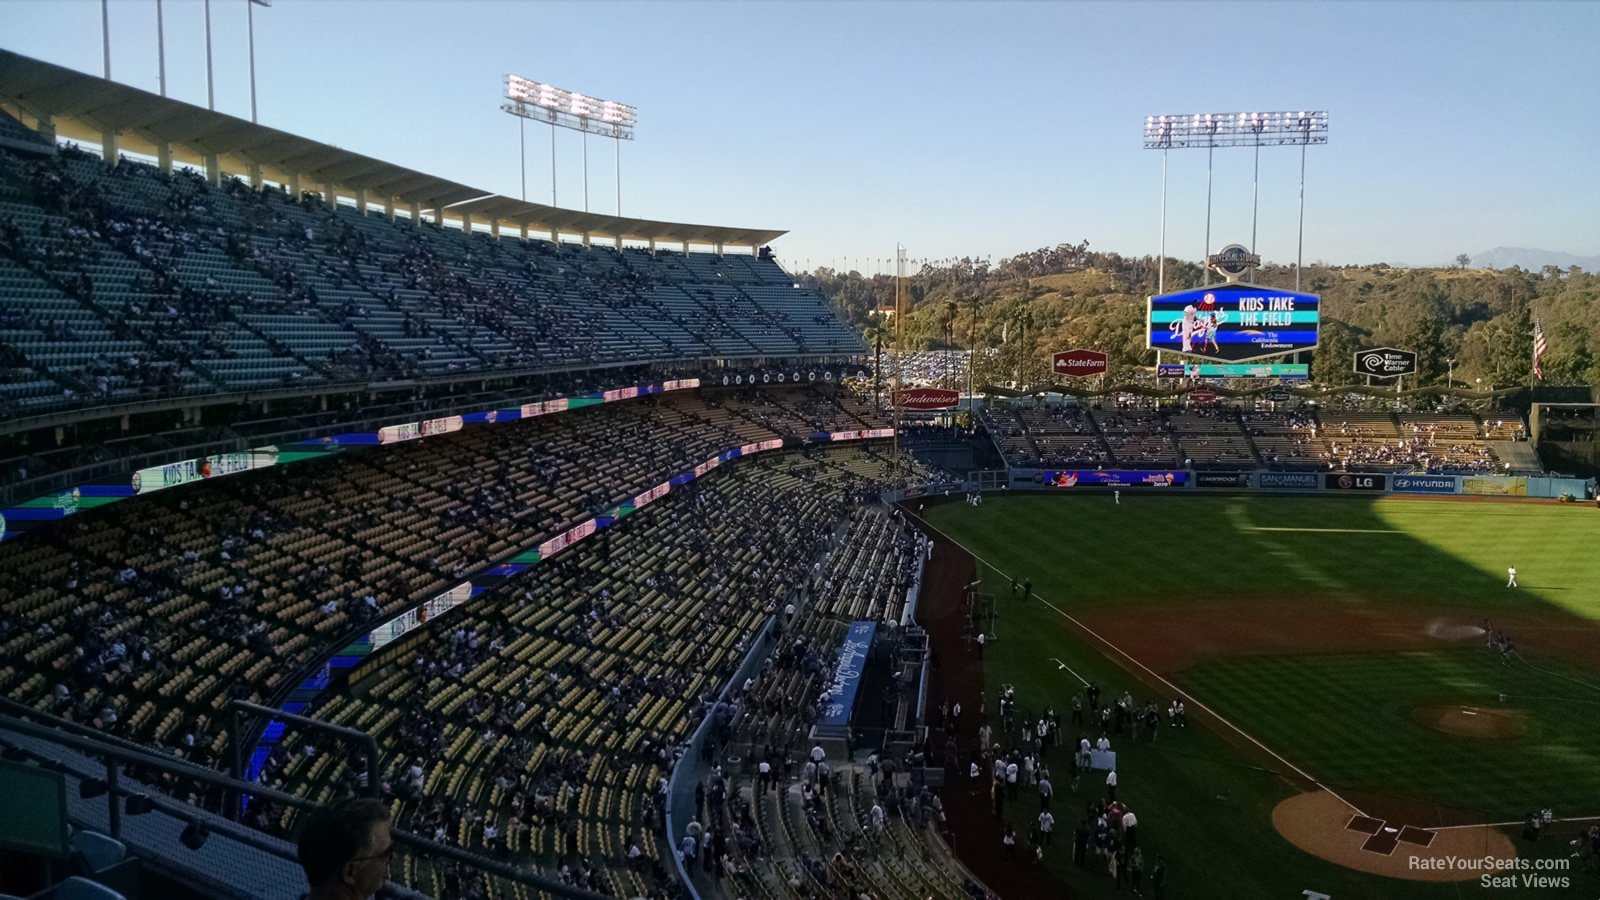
point(1540, 345)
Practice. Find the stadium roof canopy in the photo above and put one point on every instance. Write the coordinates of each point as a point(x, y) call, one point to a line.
point(118, 118)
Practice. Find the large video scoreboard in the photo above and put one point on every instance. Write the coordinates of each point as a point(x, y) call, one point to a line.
point(1233, 322)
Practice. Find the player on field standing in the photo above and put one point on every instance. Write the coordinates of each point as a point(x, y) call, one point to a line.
point(1512, 579)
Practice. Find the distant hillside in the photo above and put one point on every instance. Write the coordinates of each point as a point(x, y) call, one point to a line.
point(1533, 259)
point(1026, 306)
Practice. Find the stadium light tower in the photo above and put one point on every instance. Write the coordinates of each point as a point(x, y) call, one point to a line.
point(1213, 130)
point(545, 103)
point(250, 17)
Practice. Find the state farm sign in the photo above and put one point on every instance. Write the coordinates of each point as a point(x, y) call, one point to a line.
point(1080, 362)
point(926, 398)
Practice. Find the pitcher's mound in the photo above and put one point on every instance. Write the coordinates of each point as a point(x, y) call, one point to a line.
point(1471, 721)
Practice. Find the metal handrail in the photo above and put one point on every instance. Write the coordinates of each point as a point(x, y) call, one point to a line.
point(114, 755)
point(237, 708)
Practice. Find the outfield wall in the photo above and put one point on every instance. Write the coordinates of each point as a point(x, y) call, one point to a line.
point(1547, 487)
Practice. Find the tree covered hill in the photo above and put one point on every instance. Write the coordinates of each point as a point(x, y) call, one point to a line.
point(1058, 298)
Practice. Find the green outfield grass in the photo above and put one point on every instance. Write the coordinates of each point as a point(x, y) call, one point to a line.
point(1348, 719)
point(1205, 798)
point(1156, 546)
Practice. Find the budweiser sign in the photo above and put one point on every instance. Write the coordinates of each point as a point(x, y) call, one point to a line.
point(926, 398)
point(1080, 362)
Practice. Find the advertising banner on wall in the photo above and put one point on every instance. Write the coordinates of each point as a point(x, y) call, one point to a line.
point(158, 478)
point(847, 673)
point(1354, 481)
point(1288, 481)
point(1113, 478)
point(1222, 479)
point(1425, 484)
point(1495, 485)
point(416, 617)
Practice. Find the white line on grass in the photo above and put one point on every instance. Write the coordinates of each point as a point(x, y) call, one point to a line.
point(1170, 686)
point(1189, 697)
point(1061, 665)
point(1338, 530)
point(1506, 824)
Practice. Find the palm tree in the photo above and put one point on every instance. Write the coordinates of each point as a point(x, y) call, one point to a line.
point(950, 310)
point(972, 343)
point(874, 334)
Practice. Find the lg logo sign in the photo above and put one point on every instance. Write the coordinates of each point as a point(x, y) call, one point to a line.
point(1348, 482)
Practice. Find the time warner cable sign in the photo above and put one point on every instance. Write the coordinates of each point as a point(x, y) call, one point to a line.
point(1233, 322)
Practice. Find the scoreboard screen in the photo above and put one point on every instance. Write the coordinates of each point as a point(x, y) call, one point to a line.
point(1233, 322)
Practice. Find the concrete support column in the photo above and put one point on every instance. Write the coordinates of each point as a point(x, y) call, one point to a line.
point(586, 237)
point(294, 186)
point(164, 157)
point(524, 230)
point(719, 248)
point(361, 200)
point(466, 223)
point(494, 227)
point(108, 148)
point(652, 246)
point(213, 170)
point(328, 195)
point(388, 208)
point(416, 213)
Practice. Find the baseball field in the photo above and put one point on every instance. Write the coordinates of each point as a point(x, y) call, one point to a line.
point(1351, 729)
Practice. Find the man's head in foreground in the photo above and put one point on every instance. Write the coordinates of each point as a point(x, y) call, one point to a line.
point(345, 849)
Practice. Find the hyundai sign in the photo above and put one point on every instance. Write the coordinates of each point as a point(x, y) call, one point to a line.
point(1233, 322)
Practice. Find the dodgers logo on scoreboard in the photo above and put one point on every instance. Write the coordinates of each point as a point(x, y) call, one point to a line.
point(1233, 322)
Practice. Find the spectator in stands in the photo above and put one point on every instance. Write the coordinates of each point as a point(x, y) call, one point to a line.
point(345, 850)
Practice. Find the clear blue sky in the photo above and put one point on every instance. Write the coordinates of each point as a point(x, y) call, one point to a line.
point(953, 128)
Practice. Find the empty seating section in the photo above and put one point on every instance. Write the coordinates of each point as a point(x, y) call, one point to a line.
point(1010, 435)
point(1064, 436)
point(872, 569)
point(17, 133)
point(1138, 438)
point(233, 585)
point(128, 282)
point(1212, 438)
point(547, 709)
point(1287, 440)
point(1036, 435)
